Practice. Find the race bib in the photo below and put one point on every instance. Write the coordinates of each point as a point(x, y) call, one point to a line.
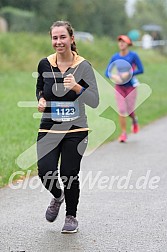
point(62, 111)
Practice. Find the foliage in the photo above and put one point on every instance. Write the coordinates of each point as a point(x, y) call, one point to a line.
point(18, 20)
point(97, 17)
point(150, 12)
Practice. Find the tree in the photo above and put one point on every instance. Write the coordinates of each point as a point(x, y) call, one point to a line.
point(150, 12)
point(21, 4)
point(96, 16)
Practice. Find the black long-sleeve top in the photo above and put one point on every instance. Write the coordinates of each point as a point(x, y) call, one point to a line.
point(50, 87)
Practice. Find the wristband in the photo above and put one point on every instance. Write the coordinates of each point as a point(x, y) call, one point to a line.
point(82, 89)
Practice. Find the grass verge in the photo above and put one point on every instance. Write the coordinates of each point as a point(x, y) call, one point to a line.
point(20, 56)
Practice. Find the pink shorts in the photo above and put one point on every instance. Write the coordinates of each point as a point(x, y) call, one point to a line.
point(126, 99)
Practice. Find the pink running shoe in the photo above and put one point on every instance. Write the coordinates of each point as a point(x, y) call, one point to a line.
point(135, 128)
point(122, 138)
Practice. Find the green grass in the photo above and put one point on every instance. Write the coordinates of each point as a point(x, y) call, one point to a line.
point(20, 54)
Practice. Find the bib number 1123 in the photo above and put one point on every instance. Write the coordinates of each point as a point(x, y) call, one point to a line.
point(64, 111)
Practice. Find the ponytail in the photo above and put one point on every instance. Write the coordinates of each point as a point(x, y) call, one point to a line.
point(73, 47)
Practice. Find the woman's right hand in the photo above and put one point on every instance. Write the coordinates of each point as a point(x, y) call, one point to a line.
point(41, 105)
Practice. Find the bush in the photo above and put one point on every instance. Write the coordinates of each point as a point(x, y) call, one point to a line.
point(18, 20)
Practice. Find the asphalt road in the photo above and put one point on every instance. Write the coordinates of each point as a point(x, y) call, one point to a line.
point(123, 203)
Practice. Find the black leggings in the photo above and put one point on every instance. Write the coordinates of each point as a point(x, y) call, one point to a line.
point(69, 149)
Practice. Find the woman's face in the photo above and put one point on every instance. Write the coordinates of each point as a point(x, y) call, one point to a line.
point(61, 40)
point(122, 45)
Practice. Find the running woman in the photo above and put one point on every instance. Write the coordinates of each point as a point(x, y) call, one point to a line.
point(127, 64)
point(66, 82)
